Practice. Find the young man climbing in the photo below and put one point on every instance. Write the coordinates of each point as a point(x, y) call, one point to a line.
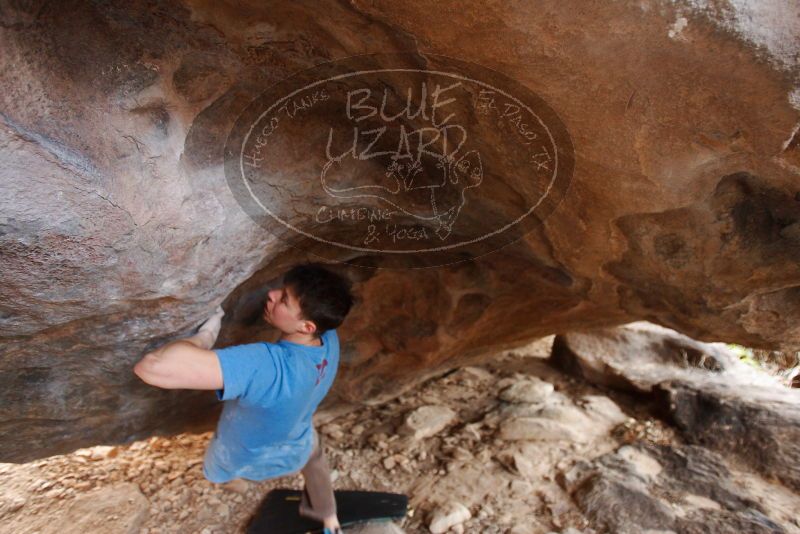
point(271, 390)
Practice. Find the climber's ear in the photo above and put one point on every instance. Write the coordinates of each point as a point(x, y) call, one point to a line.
point(181, 365)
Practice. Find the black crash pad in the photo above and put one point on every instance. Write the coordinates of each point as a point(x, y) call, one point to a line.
point(279, 513)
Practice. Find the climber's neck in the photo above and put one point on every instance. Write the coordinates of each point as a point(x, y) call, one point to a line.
point(301, 339)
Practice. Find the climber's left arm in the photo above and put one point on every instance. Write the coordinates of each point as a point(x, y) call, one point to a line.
point(181, 364)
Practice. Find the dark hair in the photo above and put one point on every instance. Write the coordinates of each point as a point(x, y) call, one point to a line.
point(324, 296)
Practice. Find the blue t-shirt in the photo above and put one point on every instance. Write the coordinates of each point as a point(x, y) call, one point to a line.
point(271, 391)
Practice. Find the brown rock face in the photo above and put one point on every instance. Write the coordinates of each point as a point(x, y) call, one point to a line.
point(602, 163)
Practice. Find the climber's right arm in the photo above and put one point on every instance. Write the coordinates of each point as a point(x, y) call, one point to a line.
point(180, 365)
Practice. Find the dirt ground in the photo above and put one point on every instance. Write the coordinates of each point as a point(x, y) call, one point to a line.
point(507, 485)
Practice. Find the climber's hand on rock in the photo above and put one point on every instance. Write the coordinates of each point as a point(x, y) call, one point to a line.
point(213, 323)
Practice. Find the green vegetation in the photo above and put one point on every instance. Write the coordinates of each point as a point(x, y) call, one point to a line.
point(784, 365)
point(745, 354)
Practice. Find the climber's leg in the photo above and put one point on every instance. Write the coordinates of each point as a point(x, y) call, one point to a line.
point(237, 485)
point(318, 501)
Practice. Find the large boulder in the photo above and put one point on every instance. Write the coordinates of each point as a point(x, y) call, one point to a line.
point(120, 230)
point(660, 488)
point(713, 398)
point(758, 425)
point(641, 355)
